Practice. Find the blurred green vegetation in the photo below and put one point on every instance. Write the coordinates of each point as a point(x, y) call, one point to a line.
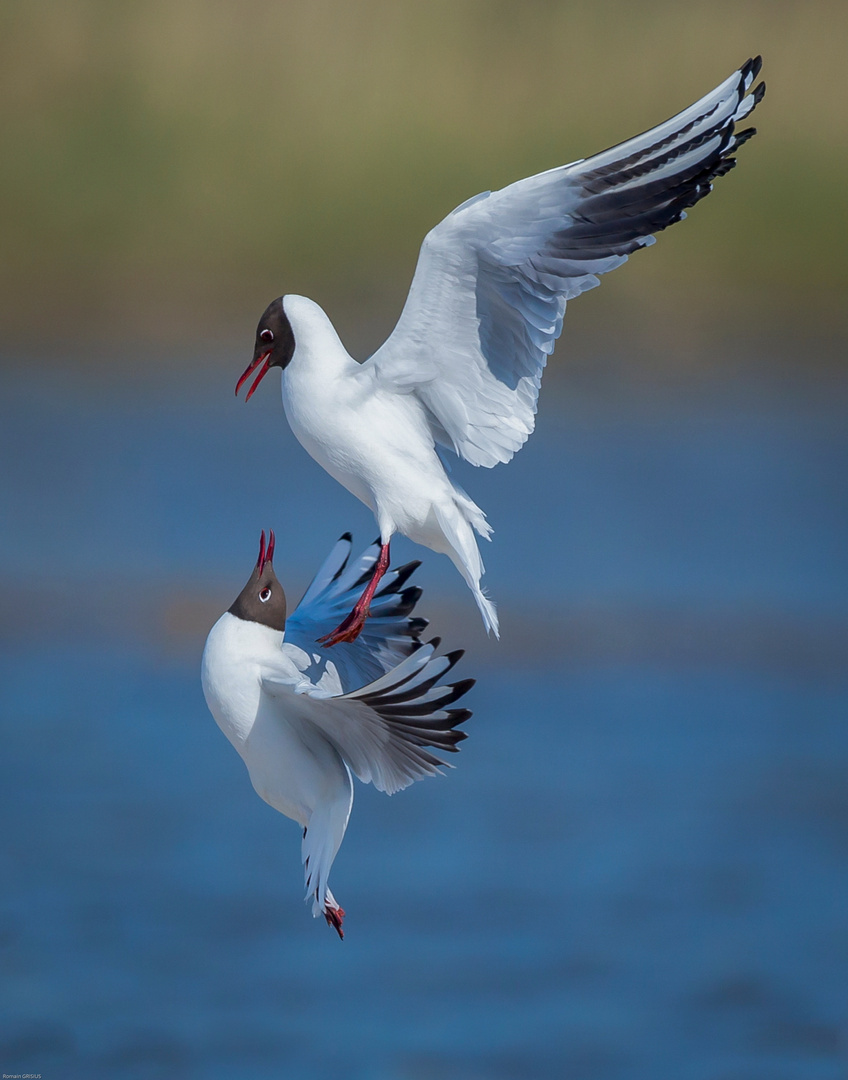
point(169, 166)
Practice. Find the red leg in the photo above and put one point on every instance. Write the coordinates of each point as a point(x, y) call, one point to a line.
point(335, 917)
point(350, 628)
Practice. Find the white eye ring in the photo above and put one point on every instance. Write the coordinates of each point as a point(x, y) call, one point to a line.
point(265, 595)
point(267, 335)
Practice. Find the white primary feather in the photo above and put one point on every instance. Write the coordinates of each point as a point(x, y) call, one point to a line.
point(488, 297)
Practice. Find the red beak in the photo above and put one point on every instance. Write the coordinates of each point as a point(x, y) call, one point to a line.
point(265, 555)
point(266, 367)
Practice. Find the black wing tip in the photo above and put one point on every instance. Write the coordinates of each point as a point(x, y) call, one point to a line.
point(399, 578)
point(462, 687)
point(741, 137)
point(661, 202)
point(453, 658)
point(404, 573)
point(407, 601)
point(751, 67)
point(453, 692)
point(749, 71)
point(396, 605)
point(402, 701)
point(459, 716)
point(722, 169)
point(348, 539)
point(435, 642)
point(450, 747)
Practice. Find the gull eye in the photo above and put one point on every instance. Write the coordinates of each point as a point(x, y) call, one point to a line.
point(267, 335)
point(265, 595)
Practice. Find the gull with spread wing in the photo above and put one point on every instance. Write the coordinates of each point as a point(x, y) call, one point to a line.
point(304, 720)
point(463, 366)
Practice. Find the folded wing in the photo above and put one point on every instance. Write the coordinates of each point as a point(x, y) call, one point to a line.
point(488, 297)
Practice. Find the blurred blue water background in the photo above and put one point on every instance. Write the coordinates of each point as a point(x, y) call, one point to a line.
point(638, 869)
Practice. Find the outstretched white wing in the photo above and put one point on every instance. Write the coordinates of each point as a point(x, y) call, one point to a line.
point(391, 633)
point(383, 730)
point(489, 292)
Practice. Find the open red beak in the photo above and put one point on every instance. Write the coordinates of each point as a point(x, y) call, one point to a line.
point(263, 359)
point(266, 555)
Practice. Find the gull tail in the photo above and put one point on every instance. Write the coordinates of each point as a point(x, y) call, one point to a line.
point(487, 610)
point(322, 839)
point(456, 526)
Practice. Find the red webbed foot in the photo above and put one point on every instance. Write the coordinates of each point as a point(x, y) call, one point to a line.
point(335, 917)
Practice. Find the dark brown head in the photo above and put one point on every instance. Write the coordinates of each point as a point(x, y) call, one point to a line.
point(262, 600)
point(274, 344)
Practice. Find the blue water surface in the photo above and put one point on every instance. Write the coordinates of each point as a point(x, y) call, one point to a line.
point(638, 868)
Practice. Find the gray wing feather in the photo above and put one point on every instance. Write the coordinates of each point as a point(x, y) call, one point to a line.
point(488, 297)
point(386, 729)
point(390, 635)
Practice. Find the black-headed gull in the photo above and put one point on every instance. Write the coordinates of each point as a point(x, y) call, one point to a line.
point(463, 366)
point(303, 721)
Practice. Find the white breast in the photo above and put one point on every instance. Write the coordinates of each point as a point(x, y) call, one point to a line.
point(230, 673)
point(373, 441)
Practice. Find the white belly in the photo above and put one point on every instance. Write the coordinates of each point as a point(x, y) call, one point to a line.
point(377, 446)
point(291, 766)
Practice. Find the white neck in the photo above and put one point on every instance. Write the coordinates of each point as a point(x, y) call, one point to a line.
point(231, 670)
point(316, 343)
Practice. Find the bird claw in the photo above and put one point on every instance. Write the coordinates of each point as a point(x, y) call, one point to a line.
point(335, 917)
